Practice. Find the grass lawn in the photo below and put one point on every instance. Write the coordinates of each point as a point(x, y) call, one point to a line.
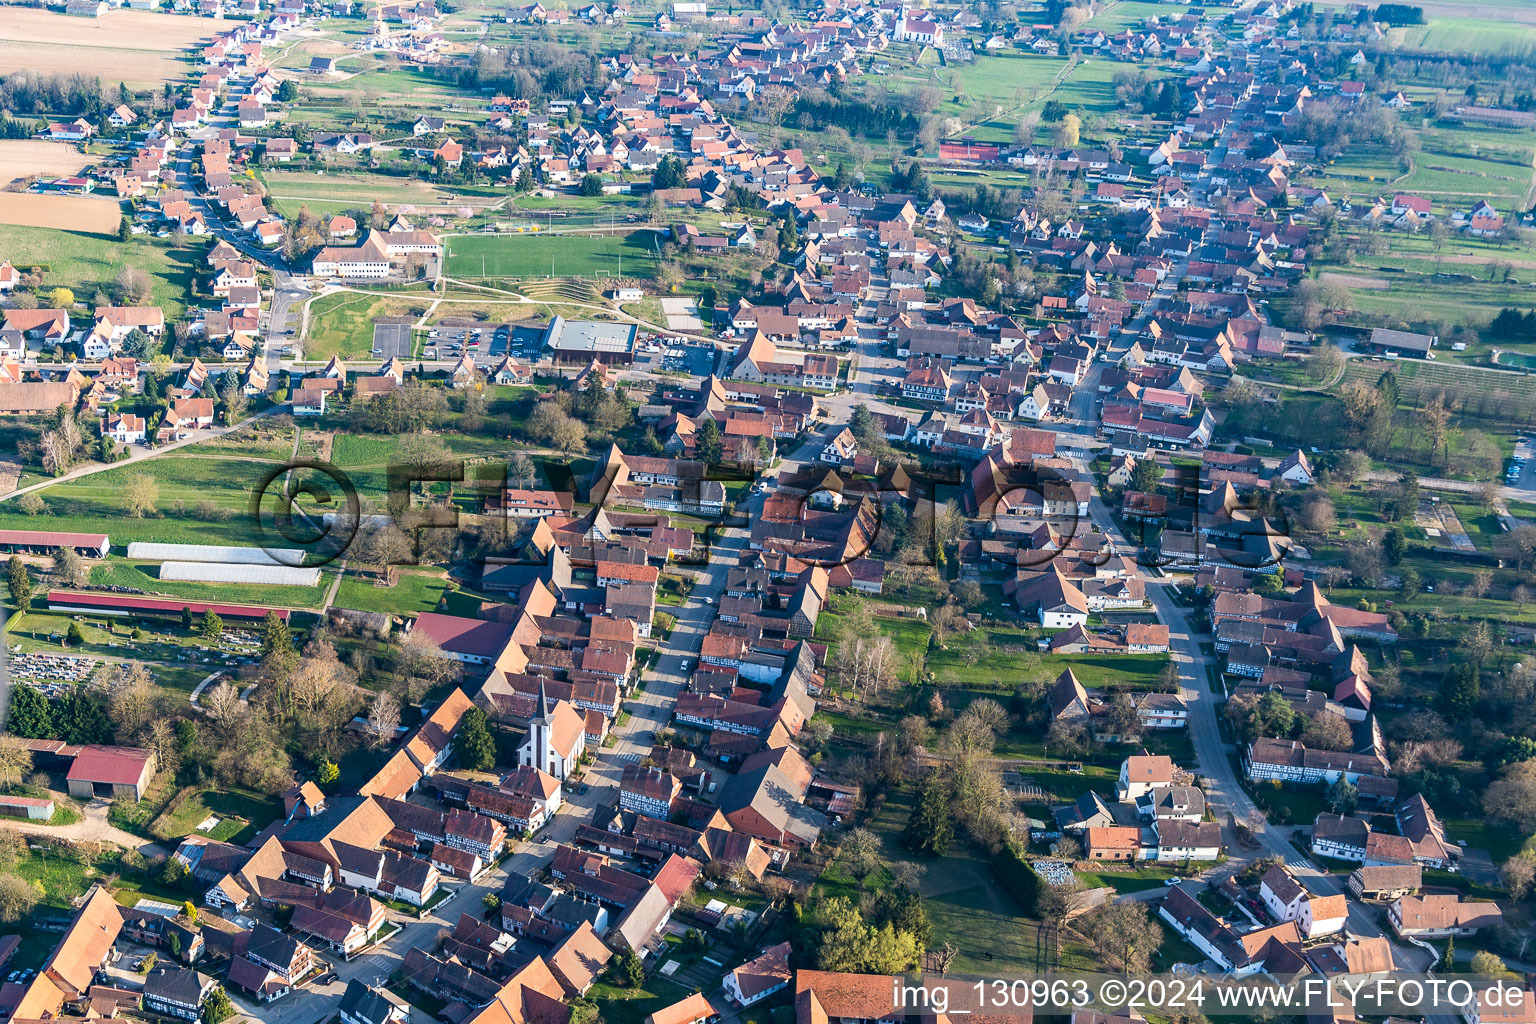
point(1134, 880)
point(85, 262)
point(1001, 658)
point(293, 189)
point(342, 323)
point(553, 255)
point(262, 440)
point(412, 594)
point(100, 515)
point(241, 813)
point(910, 636)
point(227, 482)
point(1123, 15)
point(633, 1005)
point(1501, 843)
point(1420, 299)
point(1290, 805)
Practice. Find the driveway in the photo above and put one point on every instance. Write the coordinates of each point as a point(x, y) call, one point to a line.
point(93, 826)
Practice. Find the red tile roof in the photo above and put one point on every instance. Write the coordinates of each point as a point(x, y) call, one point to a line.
point(123, 602)
point(118, 766)
point(44, 538)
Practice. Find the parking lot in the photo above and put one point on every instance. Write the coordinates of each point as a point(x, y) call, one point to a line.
point(486, 344)
point(698, 360)
point(1522, 465)
point(392, 341)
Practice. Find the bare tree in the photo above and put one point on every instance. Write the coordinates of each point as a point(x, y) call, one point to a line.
point(15, 758)
point(141, 495)
point(131, 700)
point(989, 713)
point(223, 707)
point(422, 662)
point(17, 897)
point(70, 567)
point(383, 718)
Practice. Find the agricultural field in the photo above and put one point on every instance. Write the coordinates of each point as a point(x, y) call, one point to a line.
point(137, 47)
point(1117, 17)
point(35, 158)
point(90, 214)
point(123, 28)
point(478, 256)
point(1479, 35)
point(133, 67)
point(355, 192)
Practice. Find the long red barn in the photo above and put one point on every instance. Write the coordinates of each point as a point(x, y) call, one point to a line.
point(127, 604)
point(43, 542)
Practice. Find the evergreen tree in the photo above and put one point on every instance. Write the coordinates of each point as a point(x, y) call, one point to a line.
point(864, 427)
point(211, 627)
point(708, 447)
point(31, 715)
point(275, 635)
point(1147, 475)
point(327, 772)
point(627, 969)
point(1458, 691)
point(218, 1006)
point(669, 173)
point(1393, 546)
point(19, 582)
point(475, 745)
point(931, 828)
point(789, 236)
point(1343, 796)
point(80, 718)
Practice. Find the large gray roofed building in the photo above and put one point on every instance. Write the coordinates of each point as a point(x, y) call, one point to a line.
point(584, 340)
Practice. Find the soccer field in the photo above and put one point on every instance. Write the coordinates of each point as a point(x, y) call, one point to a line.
point(553, 255)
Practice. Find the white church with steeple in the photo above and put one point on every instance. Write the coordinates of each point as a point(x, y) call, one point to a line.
point(557, 737)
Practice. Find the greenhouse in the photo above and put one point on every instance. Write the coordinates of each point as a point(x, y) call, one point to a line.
point(222, 572)
point(152, 552)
